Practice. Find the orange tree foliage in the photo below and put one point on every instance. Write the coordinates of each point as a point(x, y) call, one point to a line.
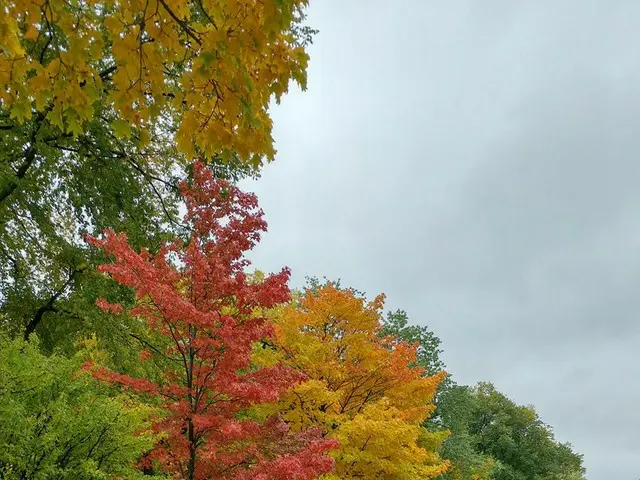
point(211, 65)
point(197, 297)
point(361, 390)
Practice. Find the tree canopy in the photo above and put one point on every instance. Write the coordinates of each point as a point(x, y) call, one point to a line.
point(58, 423)
point(360, 391)
point(103, 106)
point(490, 436)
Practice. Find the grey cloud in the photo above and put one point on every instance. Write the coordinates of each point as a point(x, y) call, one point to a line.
point(478, 162)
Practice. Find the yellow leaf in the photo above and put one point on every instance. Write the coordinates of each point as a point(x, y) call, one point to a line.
point(32, 33)
point(143, 138)
point(21, 111)
point(121, 128)
point(113, 25)
point(55, 116)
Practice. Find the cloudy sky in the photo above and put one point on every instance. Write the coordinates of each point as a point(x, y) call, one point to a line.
point(478, 161)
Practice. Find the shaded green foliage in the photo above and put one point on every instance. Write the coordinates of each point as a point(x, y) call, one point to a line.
point(67, 169)
point(54, 188)
point(72, 186)
point(522, 445)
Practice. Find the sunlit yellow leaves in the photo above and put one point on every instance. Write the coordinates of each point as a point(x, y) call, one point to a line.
point(74, 126)
point(121, 129)
point(143, 138)
point(113, 26)
point(361, 389)
point(9, 34)
point(181, 8)
point(55, 116)
point(380, 443)
point(211, 65)
point(40, 85)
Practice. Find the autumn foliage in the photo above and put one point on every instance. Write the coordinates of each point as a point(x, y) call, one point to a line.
point(196, 295)
point(104, 106)
point(362, 390)
point(211, 65)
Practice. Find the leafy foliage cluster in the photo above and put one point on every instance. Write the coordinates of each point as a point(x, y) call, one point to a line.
point(362, 389)
point(56, 422)
point(133, 343)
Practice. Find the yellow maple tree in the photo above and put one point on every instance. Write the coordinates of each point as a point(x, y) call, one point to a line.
point(361, 390)
point(208, 68)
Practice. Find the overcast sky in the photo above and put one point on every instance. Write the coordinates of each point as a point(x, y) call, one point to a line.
point(478, 161)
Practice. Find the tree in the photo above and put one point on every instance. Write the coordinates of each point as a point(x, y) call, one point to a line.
point(361, 390)
point(522, 445)
point(208, 314)
point(491, 437)
point(103, 105)
point(56, 422)
point(427, 343)
point(458, 448)
point(468, 462)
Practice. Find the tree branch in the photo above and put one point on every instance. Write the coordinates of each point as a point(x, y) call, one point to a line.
point(49, 306)
point(29, 157)
point(149, 180)
point(204, 12)
point(188, 30)
point(108, 71)
point(152, 347)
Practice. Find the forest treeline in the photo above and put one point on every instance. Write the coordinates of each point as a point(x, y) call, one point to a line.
point(136, 340)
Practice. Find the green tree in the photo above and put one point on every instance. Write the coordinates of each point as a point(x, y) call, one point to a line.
point(523, 446)
point(57, 422)
point(397, 324)
point(490, 436)
point(80, 185)
point(456, 408)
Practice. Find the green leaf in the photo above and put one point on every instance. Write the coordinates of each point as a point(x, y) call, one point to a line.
point(121, 129)
point(74, 127)
point(21, 111)
point(55, 116)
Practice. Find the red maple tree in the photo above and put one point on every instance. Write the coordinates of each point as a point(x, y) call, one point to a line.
point(196, 294)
